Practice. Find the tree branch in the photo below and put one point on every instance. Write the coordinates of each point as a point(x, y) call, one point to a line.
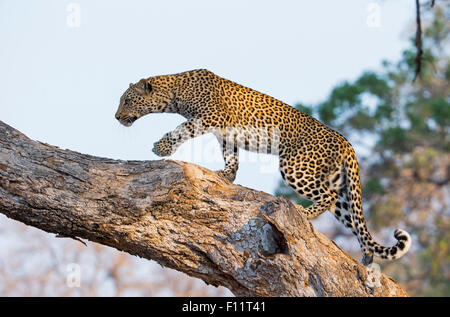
point(181, 215)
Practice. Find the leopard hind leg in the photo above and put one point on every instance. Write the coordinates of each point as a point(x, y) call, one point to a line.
point(310, 183)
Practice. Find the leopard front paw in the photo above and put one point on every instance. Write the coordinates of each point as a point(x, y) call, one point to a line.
point(163, 147)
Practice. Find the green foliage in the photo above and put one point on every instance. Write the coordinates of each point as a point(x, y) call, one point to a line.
point(440, 111)
point(373, 186)
point(395, 139)
point(405, 174)
point(303, 108)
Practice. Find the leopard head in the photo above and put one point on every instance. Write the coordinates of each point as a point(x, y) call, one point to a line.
point(150, 95)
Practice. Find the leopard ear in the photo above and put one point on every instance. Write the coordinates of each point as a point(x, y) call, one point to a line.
point(140, 86)
point(147, 86)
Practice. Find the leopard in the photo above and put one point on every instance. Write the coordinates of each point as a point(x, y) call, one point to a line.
point(314, 160)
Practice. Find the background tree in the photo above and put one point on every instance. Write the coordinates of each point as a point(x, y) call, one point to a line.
point(404, 127)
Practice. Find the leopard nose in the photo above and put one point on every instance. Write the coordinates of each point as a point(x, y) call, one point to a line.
point(117, 117)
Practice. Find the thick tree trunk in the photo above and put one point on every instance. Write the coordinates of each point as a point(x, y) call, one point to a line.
point(181, 215)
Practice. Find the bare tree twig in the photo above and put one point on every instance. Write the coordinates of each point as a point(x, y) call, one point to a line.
point(418, 42)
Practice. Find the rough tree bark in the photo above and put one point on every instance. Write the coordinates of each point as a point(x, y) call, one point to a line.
point(181, 215)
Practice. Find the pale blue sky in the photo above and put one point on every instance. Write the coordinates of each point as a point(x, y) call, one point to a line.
point(62, 85)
